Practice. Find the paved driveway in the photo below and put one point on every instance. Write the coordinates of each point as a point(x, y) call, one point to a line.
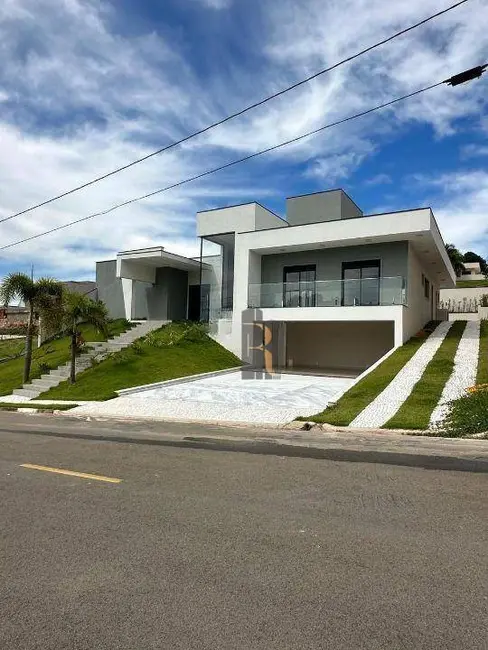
point(233, 397)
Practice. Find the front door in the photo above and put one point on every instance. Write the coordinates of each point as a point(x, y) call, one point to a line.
point(361, 283)
point(299, 286)
point(199, 302)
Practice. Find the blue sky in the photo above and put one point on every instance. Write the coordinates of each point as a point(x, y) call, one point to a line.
point(86, 86)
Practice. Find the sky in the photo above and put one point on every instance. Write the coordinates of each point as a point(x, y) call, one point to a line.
point(87, 86)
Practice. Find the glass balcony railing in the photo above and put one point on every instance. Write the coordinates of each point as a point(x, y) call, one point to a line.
point(329, 293)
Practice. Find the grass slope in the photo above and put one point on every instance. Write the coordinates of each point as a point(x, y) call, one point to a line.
point(415, 412)
point(482, 376)
point(50, 354)
point(11, 347)
point(159, 357)
point(361, 394)
point(471, 284)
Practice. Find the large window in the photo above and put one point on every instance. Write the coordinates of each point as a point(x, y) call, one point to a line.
point(299, 286)
point(361, 283)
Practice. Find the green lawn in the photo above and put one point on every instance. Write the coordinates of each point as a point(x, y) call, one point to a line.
point(49, 356)
point(482, 377)
point(471, 284)
point(11, 347)
point(163, 355)
point(359, 396)
point(415, 412)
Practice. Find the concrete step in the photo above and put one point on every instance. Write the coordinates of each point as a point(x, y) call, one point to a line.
point(59, 372)
point(41, 384)
point(31, 393)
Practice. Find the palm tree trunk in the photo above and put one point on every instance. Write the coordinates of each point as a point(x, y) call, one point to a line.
point(28, 344)
point(72, 373)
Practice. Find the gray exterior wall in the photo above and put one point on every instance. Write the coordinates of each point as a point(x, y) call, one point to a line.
point(343, 346)
point(110, 288)
point(393, 257)
point(165, 300)
point(319, 207)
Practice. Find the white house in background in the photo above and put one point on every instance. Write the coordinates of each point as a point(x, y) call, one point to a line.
point(472, 272)
point(328, 289)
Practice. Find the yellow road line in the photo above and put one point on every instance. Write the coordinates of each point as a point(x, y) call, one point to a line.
point(68, 472)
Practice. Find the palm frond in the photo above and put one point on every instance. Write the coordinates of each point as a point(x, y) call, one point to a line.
point(17, 285)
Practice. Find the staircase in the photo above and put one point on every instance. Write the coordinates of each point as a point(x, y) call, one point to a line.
point(95, 351)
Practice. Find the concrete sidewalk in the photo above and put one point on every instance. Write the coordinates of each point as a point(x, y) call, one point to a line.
point(339, 445)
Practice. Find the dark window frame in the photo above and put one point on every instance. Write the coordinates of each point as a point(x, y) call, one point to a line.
point(299, 268)
point(360, 264)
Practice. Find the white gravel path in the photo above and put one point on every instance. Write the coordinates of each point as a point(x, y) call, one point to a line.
point(381, 409)
point(228, 398)
point(464, 373)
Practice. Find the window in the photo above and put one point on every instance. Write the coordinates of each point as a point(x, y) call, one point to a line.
point(299, 286)
point(426, 288)
point(361, 283)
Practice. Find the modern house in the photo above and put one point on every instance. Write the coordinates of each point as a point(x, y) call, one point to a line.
point(329, 289)
point(472, 272)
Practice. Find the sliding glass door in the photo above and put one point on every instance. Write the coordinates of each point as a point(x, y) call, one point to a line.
point(361, 283)
point(299, 286)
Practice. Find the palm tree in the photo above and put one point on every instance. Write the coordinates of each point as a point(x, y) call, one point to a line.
point(39, 296)
point(76, 309)
point(456, 258)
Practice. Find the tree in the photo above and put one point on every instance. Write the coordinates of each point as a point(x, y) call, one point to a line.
point(456, 258)
point(474, 257)
point(39, 296)
point(76, 309)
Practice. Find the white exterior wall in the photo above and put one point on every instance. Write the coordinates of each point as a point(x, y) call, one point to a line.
point(460, 294)
point(419, 309)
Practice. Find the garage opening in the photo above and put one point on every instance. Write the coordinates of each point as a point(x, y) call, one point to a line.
point(333, 348)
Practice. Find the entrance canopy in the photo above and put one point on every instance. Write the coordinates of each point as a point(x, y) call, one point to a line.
point(141, 264)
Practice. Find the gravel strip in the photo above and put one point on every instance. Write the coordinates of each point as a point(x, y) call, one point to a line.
point(464, 373)
point(384, 407)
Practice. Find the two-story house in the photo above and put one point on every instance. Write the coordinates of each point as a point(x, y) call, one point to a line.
point(329, 289)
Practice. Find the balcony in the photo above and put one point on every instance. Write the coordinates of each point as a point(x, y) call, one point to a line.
point(329, 293)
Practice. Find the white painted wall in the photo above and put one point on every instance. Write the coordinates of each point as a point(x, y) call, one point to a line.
point(419, 309)
point(136, 271)
point(459, 294)
point(127, 294)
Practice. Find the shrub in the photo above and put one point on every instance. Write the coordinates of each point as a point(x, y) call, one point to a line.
point(484, 300)
point(467, 415)
point(43, 367)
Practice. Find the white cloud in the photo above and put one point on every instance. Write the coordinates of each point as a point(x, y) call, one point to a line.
point(80, 98)
point(461, 207)
point(216, 4)
point(474, 150)
point(379, 179)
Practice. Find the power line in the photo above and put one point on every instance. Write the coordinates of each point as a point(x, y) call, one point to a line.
point(467, 75)
point(238, 113)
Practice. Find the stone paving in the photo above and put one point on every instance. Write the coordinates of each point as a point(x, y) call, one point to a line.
point(384, 407)
point(464, 372)
point(239, 397)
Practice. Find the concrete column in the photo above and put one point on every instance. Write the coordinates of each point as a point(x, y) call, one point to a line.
point(127, 286)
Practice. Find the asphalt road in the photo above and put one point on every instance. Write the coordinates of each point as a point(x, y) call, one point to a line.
point(196, 549)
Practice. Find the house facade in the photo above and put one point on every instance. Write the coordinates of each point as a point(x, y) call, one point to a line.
point(328, 289)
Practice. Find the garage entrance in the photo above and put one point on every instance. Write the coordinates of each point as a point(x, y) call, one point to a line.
point(342, 348)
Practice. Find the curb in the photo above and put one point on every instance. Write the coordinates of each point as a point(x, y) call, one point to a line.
point(296, 445)
point(124, 392)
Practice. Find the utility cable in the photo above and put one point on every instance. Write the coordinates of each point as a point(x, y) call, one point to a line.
point(237, 114)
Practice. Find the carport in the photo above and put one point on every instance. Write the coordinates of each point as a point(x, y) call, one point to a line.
point(330, 347)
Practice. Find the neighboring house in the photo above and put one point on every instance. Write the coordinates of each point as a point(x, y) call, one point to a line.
point(472, 272)
point(329, 288)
